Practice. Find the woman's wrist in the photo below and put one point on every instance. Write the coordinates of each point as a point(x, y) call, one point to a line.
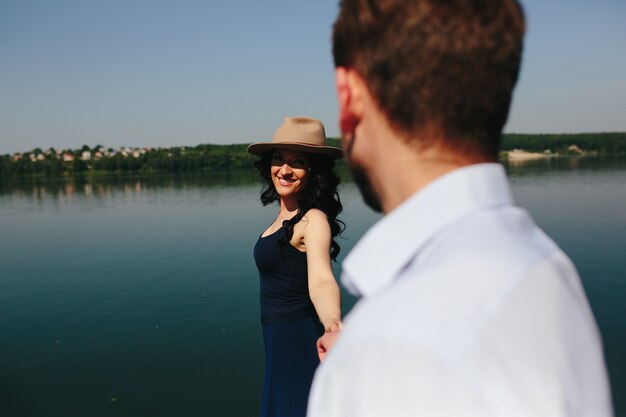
point(331, 326)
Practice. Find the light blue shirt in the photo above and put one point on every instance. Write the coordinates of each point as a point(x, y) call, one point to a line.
point(468, 308)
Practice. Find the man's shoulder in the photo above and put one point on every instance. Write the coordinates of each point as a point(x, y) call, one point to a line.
point(502, 241)
point(457, 288)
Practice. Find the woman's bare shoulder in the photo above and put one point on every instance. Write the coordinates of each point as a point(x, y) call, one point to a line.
point(315, 220)
point(315, 215)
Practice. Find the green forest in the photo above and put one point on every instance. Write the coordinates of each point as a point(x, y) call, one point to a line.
point(99, 160)
point(598, 143)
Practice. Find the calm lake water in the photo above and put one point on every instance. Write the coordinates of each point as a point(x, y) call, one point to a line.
point(139, 296)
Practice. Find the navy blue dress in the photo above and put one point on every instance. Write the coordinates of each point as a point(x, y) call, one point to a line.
point(290, 327)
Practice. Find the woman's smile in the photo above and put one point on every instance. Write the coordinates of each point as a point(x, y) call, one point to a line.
point(286, 182)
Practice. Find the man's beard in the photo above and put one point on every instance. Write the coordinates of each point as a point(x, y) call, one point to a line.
point(358, 173)
point(365, 186)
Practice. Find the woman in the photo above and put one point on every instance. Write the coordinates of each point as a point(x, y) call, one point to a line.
point(299, 295)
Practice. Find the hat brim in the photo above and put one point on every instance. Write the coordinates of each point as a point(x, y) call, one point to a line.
point(261, 148)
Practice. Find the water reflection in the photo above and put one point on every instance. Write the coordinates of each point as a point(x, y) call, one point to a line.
point(102, 186)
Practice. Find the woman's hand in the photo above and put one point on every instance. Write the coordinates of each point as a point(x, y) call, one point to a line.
point(327, 340)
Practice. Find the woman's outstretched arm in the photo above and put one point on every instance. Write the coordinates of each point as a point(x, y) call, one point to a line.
point(323, 287)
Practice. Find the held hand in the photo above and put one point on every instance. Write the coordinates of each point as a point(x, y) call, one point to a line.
point(326, 342)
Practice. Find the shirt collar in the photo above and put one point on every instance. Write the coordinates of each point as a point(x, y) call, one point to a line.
point(391, 244)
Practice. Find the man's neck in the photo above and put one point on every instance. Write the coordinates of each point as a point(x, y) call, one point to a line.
point(405, 170)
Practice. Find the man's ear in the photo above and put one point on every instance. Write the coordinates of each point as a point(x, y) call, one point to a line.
point(350, 105)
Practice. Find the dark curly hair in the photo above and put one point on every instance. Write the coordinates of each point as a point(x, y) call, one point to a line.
point(320, 192)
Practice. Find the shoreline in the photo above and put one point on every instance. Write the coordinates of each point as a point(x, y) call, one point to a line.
point(520, 155)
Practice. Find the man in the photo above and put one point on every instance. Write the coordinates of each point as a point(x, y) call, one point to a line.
point(467, 307)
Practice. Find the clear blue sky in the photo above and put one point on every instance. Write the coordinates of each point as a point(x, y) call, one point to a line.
point(173, 73)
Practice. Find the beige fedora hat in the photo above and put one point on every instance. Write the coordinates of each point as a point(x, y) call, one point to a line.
point(302, 134)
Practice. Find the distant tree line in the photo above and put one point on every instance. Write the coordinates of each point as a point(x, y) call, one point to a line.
point(50, 164)
point(601, 143)
point(219, 158)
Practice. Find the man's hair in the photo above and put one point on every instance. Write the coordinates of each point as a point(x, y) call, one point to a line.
point(436, 66)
